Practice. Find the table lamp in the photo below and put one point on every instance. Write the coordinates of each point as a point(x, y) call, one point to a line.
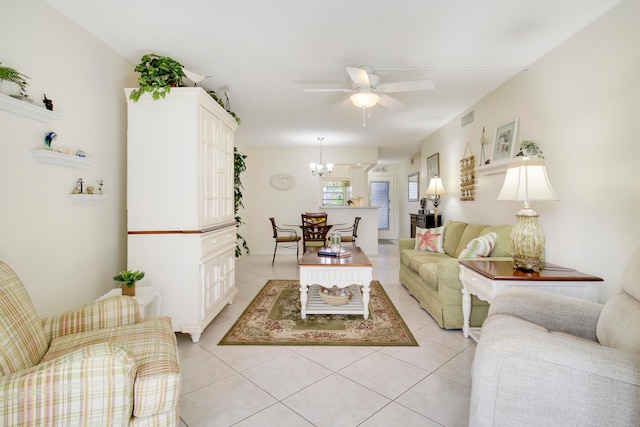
point(435, 190)
point(527, 180)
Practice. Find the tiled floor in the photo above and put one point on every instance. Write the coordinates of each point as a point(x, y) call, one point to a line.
point(250, 386)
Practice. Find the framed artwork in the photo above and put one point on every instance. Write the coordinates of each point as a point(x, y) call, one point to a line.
point(414, 186)
point(504, 141)
point(433, 167)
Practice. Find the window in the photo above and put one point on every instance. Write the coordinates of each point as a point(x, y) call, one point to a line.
point(335, 192)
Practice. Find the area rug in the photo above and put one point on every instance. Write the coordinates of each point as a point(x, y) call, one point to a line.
point(273, 318)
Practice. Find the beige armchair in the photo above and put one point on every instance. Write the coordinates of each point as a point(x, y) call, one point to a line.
point(93, 366)
point(549, 360)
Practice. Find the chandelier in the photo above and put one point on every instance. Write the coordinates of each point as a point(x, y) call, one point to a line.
point(321, 169)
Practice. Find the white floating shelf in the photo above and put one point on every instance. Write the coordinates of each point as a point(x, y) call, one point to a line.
point(86, 199)
point(60, 159)
point(492, 168)
point(22, 108)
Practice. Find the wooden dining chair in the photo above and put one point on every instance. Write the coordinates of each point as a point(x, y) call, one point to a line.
point(284, 238)
point(314, 229)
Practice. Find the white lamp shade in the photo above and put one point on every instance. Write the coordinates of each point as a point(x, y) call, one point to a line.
point(435, 187)
point(364, 99)
point(527, 180)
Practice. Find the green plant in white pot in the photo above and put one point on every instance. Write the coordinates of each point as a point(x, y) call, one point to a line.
point(129, 279)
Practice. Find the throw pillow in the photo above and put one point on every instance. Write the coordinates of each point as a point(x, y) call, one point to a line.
point(480, 247)
point(430, 239)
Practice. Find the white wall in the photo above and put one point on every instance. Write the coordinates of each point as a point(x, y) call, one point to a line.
point(65, 254)
point(262, 201)
point(580, 103)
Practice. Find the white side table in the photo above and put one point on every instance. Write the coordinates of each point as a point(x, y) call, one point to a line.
point(148, 299)
point(486, 279)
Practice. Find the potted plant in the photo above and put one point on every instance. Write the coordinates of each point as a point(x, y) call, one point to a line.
point(158, 74)
point(530, 149)
point(11, 75)
point(129, 279)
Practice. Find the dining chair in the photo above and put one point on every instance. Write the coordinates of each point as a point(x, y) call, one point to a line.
point(351, 233)
point(284, 238)
point(314, 229)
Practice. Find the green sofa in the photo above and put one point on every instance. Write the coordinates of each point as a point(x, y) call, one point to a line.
point(432, 278)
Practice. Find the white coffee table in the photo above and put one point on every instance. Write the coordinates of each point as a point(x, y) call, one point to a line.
point(355, 271)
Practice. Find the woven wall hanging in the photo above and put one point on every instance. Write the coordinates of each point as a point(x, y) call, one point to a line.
point(467, 175)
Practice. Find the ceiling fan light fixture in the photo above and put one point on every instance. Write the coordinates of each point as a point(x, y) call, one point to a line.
point(364, 99)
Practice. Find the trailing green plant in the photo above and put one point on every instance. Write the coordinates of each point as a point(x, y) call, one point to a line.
point(157, 75)
point(530, 148)
point(129, 277)
point(239, 167)
point(213, 94)
point(11, 75)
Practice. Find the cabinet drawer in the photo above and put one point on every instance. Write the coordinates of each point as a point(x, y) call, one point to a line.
point(218, 241)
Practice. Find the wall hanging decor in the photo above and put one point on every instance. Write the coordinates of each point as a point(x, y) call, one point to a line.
point(467, 175)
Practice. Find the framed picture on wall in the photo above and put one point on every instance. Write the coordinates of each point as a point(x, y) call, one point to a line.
point(504, 141)
point(433, 167)
point(414, 186)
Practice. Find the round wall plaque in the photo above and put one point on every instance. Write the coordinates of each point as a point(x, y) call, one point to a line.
point(282, 181)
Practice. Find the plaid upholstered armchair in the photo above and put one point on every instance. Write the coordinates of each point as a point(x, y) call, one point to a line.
point(93, 366)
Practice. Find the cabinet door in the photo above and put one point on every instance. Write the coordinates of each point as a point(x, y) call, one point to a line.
point(217, 282)
point(217, 196)
point(210, 160)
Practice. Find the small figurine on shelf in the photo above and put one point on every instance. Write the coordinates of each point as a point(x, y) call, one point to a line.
point(47, 102)
point(100, 184)
point(90, 189)
point(79, 186)
point(49, 138)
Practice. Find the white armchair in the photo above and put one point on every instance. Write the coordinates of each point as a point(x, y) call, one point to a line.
point(549, 360)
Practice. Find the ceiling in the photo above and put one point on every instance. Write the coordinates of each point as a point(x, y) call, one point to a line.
point(267, 52)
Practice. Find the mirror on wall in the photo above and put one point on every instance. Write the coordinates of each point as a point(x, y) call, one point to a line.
point(414, 180)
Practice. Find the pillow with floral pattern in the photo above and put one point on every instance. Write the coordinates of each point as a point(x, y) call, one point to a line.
point(430, 239)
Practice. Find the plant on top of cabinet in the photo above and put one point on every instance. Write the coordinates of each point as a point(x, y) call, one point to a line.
point(157, 75)
point(239, 167)
point(11, 75)
point(213, 94)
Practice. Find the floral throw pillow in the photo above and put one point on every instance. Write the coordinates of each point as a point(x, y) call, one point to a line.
point(480, 247)
point(430, 239)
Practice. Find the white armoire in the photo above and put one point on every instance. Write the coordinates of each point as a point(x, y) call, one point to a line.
point(180, 207)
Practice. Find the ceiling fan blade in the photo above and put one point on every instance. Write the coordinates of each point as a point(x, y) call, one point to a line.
point(408, 86)
point(359, 76)
point(392, 103)
point(327, 90)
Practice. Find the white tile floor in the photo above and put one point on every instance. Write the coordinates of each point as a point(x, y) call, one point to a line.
point(250, 386)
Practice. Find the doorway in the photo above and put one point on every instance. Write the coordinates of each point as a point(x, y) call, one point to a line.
point(382, 194)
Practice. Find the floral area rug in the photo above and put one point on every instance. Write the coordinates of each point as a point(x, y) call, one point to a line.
point(273, 318)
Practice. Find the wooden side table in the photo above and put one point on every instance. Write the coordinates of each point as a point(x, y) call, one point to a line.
point(148, 299)
point(486, 279)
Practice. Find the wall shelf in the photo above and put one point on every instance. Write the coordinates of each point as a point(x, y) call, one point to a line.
point(22, 108)
point(60, 159)
point(86, 199)
point(492, 168)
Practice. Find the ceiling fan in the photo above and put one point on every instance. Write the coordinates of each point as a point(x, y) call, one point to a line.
point(367, 90)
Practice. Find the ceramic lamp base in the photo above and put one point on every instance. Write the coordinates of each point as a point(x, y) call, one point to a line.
point(527, 241)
